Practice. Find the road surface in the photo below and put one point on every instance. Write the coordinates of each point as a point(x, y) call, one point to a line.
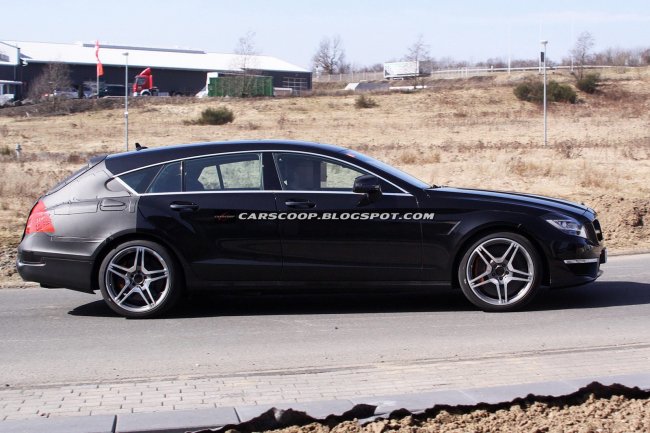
point(331, 345)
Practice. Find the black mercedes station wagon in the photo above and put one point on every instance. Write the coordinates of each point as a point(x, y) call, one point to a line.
point(145, 226)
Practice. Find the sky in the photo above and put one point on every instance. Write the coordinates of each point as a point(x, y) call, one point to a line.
point(372, 31)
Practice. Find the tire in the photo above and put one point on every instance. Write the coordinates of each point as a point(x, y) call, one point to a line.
point(140, 279)
point(500, 272)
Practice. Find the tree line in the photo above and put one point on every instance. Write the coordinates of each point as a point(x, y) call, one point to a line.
point(330, 57)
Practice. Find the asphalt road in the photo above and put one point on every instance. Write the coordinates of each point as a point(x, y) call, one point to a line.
point(53, 337)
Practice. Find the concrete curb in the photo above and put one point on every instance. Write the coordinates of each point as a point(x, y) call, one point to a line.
point(183, 421)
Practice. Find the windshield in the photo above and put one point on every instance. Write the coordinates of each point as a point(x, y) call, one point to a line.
point(140, 80)
point(389, 169)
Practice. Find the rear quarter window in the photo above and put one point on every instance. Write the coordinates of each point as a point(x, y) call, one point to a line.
point(168, 180)
point(140, 180)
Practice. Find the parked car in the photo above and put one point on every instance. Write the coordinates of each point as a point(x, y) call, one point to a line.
point(68, 93)
point(71, 93)
point(145, 226)
point(109, 90)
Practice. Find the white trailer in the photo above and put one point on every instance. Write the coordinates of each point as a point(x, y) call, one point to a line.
point(9, 91)
point(400, 70)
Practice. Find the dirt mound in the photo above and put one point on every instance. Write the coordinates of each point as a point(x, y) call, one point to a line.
point(625, 222)
point(594, 408)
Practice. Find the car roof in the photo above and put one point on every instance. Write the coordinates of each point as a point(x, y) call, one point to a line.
point(121, 162)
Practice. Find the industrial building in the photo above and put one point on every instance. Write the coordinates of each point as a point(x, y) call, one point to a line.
point(175, 70)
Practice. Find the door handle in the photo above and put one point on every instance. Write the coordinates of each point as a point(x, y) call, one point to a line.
point(183, 205)
point(300, 204)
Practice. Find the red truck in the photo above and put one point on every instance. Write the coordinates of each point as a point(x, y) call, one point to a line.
point(143, 84)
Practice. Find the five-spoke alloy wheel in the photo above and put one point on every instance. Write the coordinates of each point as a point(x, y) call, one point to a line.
point(139, 279)
point(500, 272)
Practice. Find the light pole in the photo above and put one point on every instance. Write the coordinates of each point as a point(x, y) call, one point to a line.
point(126, 101)
point(543, 61)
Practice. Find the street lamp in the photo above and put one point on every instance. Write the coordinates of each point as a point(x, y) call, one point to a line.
point(543, 61)
point(126, 100)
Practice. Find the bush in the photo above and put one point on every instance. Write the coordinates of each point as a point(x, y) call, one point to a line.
point(533, 91)
point(557, 92)
point(215, 116)
point(529, 91)
point(589, 83)
point(364, 101)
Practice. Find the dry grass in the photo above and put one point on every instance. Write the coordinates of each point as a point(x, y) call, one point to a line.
point(472, 133)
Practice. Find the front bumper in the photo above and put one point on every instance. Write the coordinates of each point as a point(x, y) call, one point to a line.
point(576, 263)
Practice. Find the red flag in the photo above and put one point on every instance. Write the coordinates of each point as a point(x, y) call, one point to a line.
point(100, 67)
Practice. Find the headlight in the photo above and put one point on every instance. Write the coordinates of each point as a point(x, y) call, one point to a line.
point(568, 226)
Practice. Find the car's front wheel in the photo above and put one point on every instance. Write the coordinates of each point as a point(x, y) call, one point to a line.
point(500, 272)
point(139, 279)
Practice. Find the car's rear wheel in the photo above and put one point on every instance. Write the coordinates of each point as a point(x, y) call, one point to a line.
point(500, 272)
point(139, 279)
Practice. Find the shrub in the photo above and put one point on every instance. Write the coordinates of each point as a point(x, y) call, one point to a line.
point(557, 92)
point(533, 91)
point(589, 83)
point(364, 101)
point(215, 116)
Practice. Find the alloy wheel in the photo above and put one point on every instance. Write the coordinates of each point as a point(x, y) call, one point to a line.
point(500, 271)
point(137, 279)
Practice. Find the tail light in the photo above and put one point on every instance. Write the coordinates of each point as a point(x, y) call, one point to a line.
point(39, 220)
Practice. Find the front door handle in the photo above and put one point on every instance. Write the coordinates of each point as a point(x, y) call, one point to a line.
point(299, 204)
point(183, 205)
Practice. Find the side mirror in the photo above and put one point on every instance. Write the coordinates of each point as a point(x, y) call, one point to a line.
point(369, 186)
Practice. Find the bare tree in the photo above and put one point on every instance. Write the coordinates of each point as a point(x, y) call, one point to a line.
point(330, 56)
point(645, 56)
point(419, 51)
point(55, 76)
point(580, 51)
point(246, 60)
point(246, 50)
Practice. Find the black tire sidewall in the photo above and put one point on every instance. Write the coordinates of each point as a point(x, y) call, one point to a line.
point(174, 288)
point(532, 251)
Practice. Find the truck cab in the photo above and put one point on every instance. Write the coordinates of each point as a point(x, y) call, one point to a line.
point(143, 84)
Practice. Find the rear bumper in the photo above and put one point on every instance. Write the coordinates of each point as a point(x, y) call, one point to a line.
point(38, 261)
point(57, 272)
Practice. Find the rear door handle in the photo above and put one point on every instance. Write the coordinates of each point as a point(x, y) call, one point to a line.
point(300, 204)
point(183, 205)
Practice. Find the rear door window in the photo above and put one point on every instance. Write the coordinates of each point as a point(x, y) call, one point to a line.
point(224, 172)
point(310, 173)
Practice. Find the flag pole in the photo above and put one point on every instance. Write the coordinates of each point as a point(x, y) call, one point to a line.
point(100, 67)
point(97, 68)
